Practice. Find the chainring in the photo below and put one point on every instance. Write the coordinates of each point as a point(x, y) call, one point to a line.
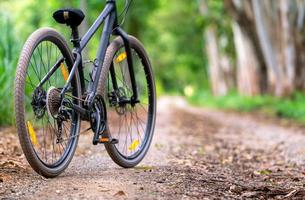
point(98, 115)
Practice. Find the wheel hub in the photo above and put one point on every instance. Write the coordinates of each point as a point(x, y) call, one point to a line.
point(118, 100)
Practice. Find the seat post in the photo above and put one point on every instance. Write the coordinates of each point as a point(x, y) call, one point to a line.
point(75, 37)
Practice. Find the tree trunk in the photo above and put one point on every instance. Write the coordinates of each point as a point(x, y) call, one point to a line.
point(218, 64)
point(275, 74)
point(216, 76)
point(299, 41)
point(242, 14)
point(247, 65)
point(288, 48)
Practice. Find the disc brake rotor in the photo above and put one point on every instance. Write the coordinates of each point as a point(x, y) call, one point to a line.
point(38, 103)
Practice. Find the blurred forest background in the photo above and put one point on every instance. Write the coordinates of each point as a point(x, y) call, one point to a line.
point(246, 55)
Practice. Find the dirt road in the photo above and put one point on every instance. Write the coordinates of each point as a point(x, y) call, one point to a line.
point(196, 154)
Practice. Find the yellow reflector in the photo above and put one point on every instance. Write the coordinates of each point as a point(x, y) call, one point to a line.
point(121, 57)
point(133, 145)
point(64, 71)
point(32, 133)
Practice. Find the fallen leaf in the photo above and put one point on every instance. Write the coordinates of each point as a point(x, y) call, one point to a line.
point(104, 190)
point(159, 146)
point(120, 193)
point(144, 167)
point(263, 172)
point(249, 194)
point(290, 194)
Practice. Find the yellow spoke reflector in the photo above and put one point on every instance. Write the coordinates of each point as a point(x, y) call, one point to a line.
point(133, 145)
point(32, 133)
point(64, 71)
point(121, 57)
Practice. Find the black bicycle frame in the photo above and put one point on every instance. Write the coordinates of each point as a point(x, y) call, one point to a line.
point(109, 16)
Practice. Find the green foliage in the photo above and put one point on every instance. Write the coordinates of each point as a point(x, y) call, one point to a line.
point(174, 43)
point(9, 51)
point(293, 108)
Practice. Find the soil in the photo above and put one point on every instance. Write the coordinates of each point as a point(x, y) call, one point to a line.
point(196, 153)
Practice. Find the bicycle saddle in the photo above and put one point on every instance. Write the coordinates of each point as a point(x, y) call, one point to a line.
point(69, 16)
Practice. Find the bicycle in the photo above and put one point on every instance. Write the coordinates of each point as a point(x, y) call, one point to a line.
point(53, 97)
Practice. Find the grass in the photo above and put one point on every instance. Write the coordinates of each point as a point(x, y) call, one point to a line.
point(9, 52)
point(289, 108)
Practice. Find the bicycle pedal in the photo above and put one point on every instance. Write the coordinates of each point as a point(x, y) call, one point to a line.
point(107, 140)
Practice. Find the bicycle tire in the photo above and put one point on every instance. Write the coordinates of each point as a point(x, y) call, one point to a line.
point(112, 149)
point(23, 128)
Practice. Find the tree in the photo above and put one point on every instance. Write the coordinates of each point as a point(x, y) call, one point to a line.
point(217, 61)
point(218, 46)
point(273, 32)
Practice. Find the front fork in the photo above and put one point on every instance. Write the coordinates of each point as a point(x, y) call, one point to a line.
point(134, 98)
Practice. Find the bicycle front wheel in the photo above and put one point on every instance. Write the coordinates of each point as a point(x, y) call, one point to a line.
point(48, 144)
point(132, 125)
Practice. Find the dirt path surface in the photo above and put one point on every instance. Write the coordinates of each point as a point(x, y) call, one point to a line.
point(196, 154)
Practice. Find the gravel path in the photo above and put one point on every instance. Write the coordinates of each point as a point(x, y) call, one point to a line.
point(196, 154)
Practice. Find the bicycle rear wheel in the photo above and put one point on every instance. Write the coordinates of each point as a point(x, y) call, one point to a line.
point(133, 126)
point(48, 145)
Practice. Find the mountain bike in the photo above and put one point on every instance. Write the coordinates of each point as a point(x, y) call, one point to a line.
point(53, 94)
